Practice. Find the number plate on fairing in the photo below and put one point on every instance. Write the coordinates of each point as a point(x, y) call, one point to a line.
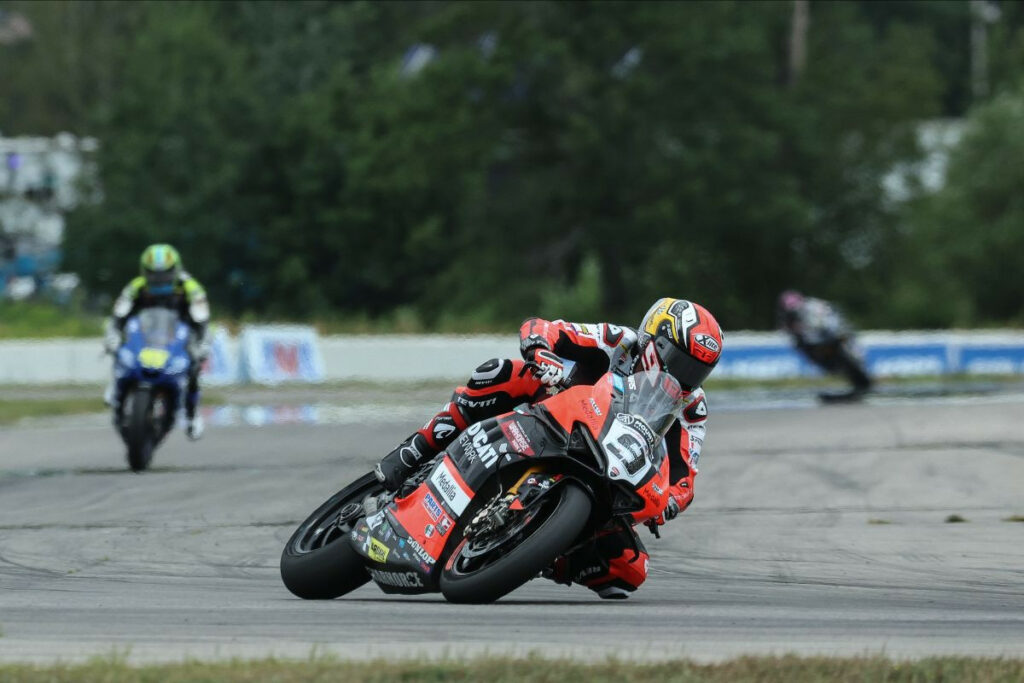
point(628, 445)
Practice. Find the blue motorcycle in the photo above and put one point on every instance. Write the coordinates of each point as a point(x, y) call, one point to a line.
point(151, 373)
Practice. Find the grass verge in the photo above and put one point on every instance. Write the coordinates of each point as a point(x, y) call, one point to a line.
point(788, 669)
point(13, 410)
point(32, 320)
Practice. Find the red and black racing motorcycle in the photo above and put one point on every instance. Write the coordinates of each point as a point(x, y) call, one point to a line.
point(507, 498)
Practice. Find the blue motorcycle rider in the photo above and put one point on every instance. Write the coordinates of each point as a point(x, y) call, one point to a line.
point(163, 282)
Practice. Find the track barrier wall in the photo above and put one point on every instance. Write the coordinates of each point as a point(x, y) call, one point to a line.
point(276, 354)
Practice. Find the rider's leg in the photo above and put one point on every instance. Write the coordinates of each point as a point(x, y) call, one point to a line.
point(193, 420)
point(495, 387)
point(613, 566)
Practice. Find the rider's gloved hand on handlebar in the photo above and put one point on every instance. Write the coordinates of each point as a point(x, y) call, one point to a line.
point(550, 368)
point(671, 510)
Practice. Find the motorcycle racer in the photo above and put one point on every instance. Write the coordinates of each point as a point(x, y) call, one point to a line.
point(677, 336)
point(162, 282)
point(824, 337)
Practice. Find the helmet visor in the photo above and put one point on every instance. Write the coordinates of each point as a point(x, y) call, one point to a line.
point(688, 371)
point(160, 281)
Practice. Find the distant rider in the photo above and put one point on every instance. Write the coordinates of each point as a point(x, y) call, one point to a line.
point(677, 336)
point(821, 333)
point(163, 283)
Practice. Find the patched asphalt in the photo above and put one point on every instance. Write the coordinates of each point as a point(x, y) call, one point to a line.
point(815, 530)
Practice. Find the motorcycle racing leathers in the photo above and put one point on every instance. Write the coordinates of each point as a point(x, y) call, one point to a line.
point(821, 333)
point(616, 563)
point(188, 299)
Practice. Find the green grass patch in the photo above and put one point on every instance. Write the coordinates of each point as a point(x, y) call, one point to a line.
point(878, 521)
point(12, 410)
point(1014, 518)
point(34, 320)
point(955, 519)
point(787, 669)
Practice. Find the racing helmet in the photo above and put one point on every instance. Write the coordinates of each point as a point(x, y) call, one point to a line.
point(681, 338)
point(788, 306)
point(160, 265)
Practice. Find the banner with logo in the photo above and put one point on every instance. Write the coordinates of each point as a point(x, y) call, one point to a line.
point(992, 359)
point(272, 354)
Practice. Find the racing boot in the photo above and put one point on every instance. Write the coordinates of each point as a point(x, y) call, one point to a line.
point(194, 427)
point(395, 467)
point(108, 394)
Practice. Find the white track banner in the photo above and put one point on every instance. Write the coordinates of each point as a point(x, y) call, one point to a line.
point(272, 354)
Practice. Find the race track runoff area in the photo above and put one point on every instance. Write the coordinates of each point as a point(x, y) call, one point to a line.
point(815, 530)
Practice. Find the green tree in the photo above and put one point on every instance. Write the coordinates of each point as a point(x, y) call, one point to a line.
point(968, 237)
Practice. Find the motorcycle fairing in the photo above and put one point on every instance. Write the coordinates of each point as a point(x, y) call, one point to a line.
point(154, 352)
point(634, 453)
point(395, 560)
point(409, 536)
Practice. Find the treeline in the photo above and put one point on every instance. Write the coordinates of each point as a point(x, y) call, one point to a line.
point(466, 164)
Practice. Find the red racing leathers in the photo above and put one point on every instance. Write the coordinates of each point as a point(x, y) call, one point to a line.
point(616, 563)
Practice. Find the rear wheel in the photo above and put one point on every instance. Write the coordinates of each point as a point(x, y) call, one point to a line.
point(490, 562)
point(138, 434)
point(319, 562)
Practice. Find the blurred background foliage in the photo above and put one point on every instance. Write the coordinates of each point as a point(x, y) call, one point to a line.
point(461, 165)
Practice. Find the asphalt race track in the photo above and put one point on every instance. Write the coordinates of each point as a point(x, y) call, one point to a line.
point(816, 530)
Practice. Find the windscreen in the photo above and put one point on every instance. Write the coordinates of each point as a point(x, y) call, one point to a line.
point(158, 326)
point(655, 396)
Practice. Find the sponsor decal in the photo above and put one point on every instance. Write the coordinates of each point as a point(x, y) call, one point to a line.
point(444, 482)
point(428, 530)
point(444, 525)
point(612, 334)
point(657, 489)
point(397, 579)
point(475, 404)
point(432, 506)
point(593, 404)
point(708, 342)
point(476, 445)
point(378, 552)
point(638, 424)
point(697, 411)
point(517, 438)
point(420, 552)
point(442, 430)
point(374, 521)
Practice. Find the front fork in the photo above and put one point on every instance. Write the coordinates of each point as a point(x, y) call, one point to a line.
point(526, 492)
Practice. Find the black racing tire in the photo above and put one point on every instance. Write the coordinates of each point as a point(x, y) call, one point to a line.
point(319, 562)
point(138, 434)
point(547, 538)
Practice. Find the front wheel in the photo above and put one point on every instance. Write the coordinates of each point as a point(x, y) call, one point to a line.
point(319, 563)
point(138, 435)
point(486, 566)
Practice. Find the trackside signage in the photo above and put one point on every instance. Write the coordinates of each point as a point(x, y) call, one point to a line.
point(886, 354)
point(275, 354)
